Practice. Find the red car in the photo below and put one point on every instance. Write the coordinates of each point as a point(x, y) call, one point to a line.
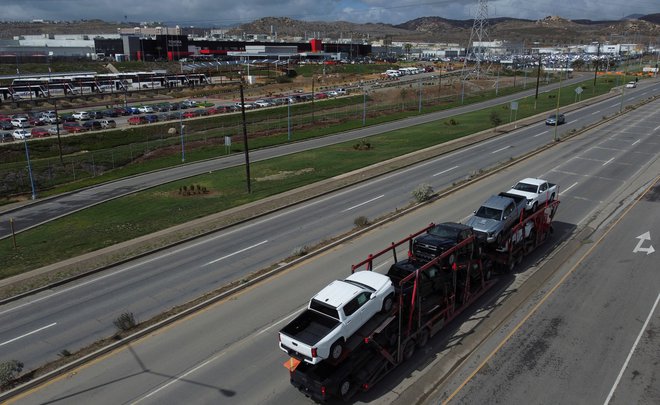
point(137, 120)
point(74, 127)
point(39, 132)
point(190, 114)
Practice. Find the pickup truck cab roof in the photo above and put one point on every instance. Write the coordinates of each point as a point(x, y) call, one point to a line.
point(340, 292)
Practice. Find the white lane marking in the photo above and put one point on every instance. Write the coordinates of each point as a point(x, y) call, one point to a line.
point(608, 161)
point(500, 149)
point(445, 171)
point(544, 132)
point(286, 318)
point(595, 112)
point(573, 185)
point(363, 203)
point(181, 377)
point(632, 350)
point(656, 128)
point(28, 334)
point(236, 252)
point(636, 142)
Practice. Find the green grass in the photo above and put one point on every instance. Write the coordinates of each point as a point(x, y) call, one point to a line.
point(161, 207)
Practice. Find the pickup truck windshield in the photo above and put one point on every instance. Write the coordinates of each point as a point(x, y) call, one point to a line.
point(444, 232)
point(528, 188)
point(489, 213)
point(324, 309)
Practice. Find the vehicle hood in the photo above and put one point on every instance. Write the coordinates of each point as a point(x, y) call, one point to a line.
point(529, 196)
point(435, 241)
point(483, 224)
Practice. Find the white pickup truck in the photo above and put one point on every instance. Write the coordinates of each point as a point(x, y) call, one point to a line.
point(335, 314)
point(536, 191)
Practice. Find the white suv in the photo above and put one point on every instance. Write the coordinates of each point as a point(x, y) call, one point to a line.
point(81, 115)
point(20, 122)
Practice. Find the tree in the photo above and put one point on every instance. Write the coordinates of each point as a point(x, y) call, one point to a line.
point(408, 48)
point(495, 119)
point(404, 93)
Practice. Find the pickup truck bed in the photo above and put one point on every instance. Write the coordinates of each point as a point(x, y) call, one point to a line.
point(309, 327)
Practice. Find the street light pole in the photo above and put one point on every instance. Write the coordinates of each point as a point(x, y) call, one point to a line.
point(364, 106)
point(27, 156)
point(183, 149)
point(245, 142)
point(57, 128)
point(288, 118)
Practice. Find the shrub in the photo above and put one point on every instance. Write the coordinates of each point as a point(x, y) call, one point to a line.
point(125, 321)
point(495, 119)
point(422, 193)
point(300, 251)
point(361, 221)
point(9, 370)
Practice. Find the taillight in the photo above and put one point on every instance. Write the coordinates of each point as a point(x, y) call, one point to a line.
point(366, 340)
point(365, 386)
point(314, 352)
point(323, 390)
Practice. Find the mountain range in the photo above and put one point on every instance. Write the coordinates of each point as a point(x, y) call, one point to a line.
point(548, 31)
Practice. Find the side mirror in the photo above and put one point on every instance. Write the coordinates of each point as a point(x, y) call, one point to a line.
point(474, 212)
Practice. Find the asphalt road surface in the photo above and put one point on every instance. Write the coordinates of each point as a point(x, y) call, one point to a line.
point(228, 353)
point(45, 210)
point(591, 340)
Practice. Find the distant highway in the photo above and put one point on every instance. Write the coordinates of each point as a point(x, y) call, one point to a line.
point(228, 353)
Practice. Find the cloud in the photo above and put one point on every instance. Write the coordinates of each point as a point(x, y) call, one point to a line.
point(232, 12)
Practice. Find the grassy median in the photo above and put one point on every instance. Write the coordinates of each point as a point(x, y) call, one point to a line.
point(181, 201)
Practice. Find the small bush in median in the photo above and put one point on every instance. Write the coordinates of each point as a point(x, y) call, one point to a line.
point(361, 221)
point(125, 322)
point(422, 193)
point(9, 370)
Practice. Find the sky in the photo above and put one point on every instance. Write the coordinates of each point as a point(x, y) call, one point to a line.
point(221, 13)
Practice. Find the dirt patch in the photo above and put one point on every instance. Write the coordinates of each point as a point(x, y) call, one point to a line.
point(285, 174)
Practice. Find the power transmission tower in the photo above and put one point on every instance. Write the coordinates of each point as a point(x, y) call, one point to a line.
point(475, 48)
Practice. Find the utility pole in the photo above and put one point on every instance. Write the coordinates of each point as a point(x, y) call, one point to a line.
point(245, 141)
point(538, 79)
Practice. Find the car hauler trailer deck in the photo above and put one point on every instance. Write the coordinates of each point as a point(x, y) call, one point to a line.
point(389, 339)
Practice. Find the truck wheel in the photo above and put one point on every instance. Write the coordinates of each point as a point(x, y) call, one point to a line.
point(535, 206)
point(336, 349)
point(388, 302)
point(552, 197)
point(451, 259)
point(409, 350)
point(423, 338)
point(345, 388)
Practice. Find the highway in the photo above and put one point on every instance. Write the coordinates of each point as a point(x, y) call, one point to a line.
point(228, 353)
point(41, 211)
point(592, 340)
point(38, 327)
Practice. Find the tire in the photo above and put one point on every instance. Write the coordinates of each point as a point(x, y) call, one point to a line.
point(423, 338)
point(409, 350)
point(388, 303)
point(451, 259)
point(552, 197)
point(336, 349)
point(535, 207)
point(345, 388)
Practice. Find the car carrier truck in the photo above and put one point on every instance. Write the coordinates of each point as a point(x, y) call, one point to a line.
point(428, 295)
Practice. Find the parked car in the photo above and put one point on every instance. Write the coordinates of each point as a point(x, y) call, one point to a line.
point(106, 124)
point(96, 115)
point(53, 130)
point(20, 122)
point(68, 118)
point(137, 121)
point(50, 118)
point(82, 115)
point(74, 127)
point(133, 110)
point(93, 125)
point(6, 125)
point(6, 137)
point(39, 133)
point(341, 92)
point(555, 119)
point(320, 96)
point(20, 134)
point(263, 103)
point(145, 109)
point(631, 85)
point(190, 114)
point(112, 113)
point(151, 118)
point(189, 103)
